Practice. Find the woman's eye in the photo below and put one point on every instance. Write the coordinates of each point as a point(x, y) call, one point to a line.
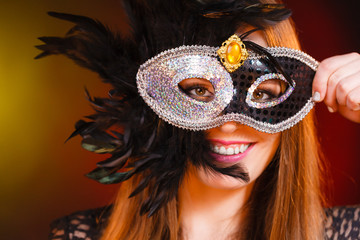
point(197, 88)
point(260, 96)
point(269, 90)
point(199, 91)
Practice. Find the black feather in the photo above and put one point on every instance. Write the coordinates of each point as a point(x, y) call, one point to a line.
point(118, 160)
point(269, 59)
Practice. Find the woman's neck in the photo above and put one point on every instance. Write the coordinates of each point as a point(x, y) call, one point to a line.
point(210, 213)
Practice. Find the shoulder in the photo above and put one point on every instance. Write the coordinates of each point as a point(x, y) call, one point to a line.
point(86, 225)
point(343, 222)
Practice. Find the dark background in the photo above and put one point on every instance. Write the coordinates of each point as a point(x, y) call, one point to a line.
point(41, 178)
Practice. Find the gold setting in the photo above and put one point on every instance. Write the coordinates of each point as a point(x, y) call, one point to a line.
point(232, 53)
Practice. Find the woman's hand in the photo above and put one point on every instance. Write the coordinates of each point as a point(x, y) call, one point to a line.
point(337, 83)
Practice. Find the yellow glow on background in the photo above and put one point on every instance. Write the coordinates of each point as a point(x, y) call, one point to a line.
point(41, 178)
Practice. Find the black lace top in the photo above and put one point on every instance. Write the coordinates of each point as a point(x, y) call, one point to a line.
point(84, 225)
point(342, 223)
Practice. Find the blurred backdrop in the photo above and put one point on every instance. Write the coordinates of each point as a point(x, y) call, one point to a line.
point(41, 177)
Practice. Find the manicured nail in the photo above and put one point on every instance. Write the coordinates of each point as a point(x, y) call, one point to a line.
point(357, 108)
point(331, 109)
point(316, 97)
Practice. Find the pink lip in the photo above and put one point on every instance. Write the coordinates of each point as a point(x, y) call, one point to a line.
point(231, 158)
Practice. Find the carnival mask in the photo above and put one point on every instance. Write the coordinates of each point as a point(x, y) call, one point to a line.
point(202, 87)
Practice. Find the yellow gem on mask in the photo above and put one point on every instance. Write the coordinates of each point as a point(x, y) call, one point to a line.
point(232, 53)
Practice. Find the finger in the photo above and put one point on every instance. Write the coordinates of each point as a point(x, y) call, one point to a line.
point(324, 71)
point(338, 85)
point(345, 86)
point(336, 76)
point(353, 99)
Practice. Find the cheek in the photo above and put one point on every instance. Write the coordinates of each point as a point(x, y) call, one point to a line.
point(262, 156)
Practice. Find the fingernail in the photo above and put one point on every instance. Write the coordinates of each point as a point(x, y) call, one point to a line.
point(357, 108)
point(331, 109)
point(316, 97)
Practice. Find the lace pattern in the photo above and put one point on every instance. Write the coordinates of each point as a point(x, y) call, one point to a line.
point(84, 225)
point(343, 223)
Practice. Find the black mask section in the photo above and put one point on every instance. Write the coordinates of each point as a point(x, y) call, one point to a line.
point(247, 74)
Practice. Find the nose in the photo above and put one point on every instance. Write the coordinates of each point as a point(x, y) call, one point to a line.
point(229, 127)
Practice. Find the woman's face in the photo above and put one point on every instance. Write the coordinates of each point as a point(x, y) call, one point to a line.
point(234, 143)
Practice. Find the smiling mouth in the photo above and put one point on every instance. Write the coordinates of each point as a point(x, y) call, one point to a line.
point(229, 150)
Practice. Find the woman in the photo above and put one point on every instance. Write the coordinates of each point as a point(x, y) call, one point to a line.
point(218, 145)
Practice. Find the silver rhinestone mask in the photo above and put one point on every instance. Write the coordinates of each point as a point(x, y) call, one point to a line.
point(235, 95)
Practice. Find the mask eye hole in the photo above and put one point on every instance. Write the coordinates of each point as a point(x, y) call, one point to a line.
point(268, 91)
point(198, 88)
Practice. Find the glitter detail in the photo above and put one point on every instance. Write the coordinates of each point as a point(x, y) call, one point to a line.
point(274, 102)
point(159, 77)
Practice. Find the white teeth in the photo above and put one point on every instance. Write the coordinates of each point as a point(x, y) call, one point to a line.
point(242, 148)
point(230, 151)
point(237, 150)
point(246, 147)
point(222, 150)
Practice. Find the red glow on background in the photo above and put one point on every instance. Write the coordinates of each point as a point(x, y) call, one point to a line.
point(327, 28)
